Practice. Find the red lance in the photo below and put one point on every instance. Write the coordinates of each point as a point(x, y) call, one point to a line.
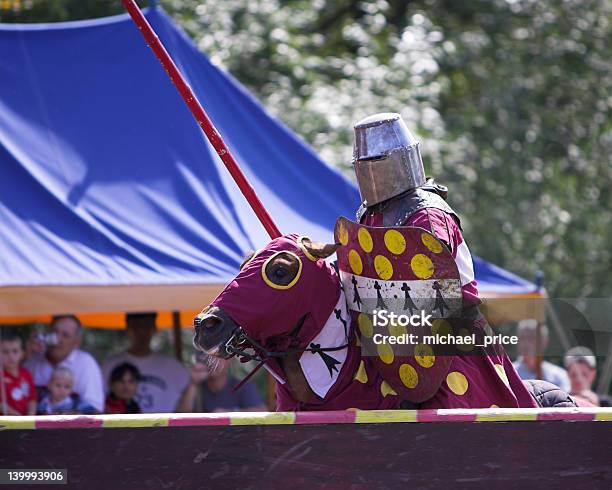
point(201, 117)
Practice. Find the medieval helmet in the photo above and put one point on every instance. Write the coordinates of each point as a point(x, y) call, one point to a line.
point(386, 157)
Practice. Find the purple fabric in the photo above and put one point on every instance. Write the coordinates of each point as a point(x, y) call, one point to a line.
point(268, 314)
point(473, 380)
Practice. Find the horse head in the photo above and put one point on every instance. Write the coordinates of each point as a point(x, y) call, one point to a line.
point(276, 304)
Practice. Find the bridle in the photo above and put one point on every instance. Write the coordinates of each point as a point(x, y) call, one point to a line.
point(239, 342)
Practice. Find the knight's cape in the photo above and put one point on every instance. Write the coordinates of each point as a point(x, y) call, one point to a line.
point(405, 271)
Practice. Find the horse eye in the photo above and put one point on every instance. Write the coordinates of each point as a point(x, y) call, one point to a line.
point(282, 270)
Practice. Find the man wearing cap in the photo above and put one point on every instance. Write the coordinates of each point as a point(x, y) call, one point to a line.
point(395, 192)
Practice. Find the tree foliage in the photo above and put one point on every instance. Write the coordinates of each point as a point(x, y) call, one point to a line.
point(510, 97)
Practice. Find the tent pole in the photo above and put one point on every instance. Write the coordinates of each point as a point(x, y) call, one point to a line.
point(177, 335)
point(201, 117)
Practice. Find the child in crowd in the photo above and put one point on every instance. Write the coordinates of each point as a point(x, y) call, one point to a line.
point(123, 385)
point(18, 394)
point(59, 399)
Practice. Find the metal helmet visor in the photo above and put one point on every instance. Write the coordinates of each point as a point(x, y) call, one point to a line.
point(386, 157)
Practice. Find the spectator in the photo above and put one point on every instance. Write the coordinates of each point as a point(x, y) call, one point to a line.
point(59, 398)
point(63, 351)
point(36, 343)
point(123, 384)
point(526, 364)
point(163, 378)
point(581, 366)
point(19, 394)
point(215, 390)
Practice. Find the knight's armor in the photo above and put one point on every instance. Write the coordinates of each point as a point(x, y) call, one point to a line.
point(398, 209)
point(390, 172)
point(394, 189)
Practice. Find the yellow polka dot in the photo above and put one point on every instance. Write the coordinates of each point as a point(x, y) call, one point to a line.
point(343, 234)
point(397, 330)
point(457, 383)
point(385, 352)
point(395, 242)
point(355, 262)
point(361, 374)
point(422, 266)
point(494, 406)
point(502, 374)
point(408, 375)
point(464, 332)
point(365, 325)
point(431, 243)
point(441, 327)
point(385, 389)
point(365, 240)
point(424, 355)
point(383, 267)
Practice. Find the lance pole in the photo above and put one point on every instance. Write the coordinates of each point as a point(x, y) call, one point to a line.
point(201, 117)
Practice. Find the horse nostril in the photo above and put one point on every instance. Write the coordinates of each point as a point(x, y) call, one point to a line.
point(211, 321)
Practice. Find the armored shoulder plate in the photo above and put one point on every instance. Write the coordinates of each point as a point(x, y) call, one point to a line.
point(397, 210)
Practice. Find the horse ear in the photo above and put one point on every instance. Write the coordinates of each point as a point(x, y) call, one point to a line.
point(319, 250)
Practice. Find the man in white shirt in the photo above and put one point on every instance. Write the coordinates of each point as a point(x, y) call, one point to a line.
point(526, 364)
point(163, 378)
point(65, 352)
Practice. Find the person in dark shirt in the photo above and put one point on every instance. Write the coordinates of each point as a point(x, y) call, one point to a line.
point(123, 385)
point(212, 391)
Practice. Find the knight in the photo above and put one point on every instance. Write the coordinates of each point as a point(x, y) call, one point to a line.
point(396, 193)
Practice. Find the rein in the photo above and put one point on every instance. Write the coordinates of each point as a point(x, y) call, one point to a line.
point(240, 341)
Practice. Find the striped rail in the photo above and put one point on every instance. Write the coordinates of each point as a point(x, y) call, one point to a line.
point(301, 418)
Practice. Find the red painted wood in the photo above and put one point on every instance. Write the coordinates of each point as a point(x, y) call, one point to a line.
point(198, 420)
point(68, 422)
point(335, 417)
point(499, 455)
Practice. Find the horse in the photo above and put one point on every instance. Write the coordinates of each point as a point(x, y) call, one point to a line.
point(287, 310)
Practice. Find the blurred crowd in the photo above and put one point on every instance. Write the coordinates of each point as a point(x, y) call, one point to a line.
point(50, 374)
point(576, 377)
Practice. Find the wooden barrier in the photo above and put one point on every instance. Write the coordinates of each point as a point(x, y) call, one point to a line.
point(337, 450)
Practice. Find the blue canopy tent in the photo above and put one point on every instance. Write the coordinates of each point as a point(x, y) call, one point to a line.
point(495, 281)
point(111, 198)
